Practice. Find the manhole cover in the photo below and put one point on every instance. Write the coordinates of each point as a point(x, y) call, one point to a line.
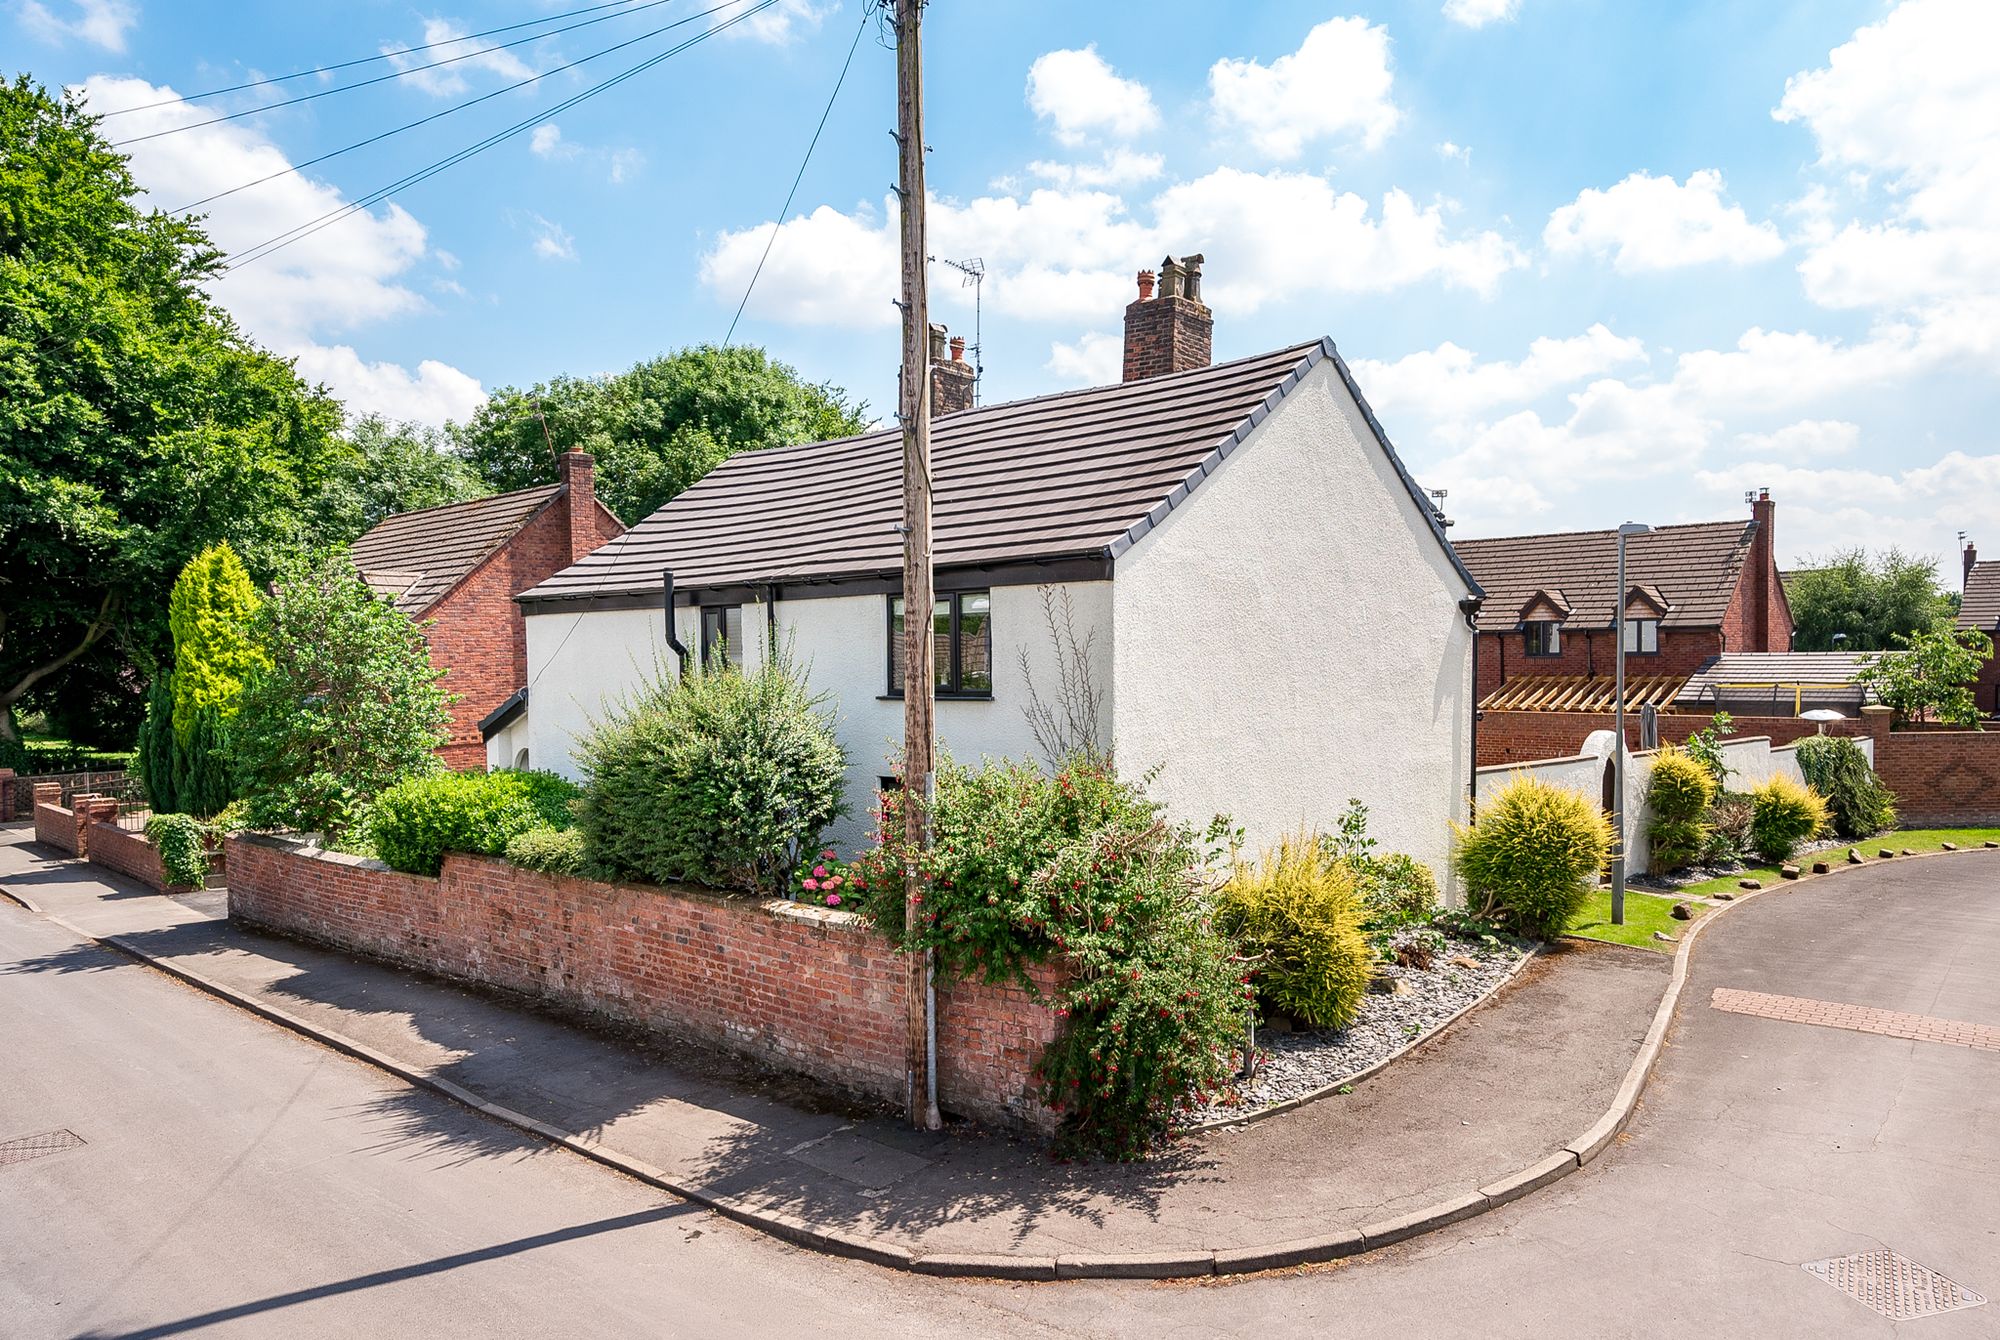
point(35, 1146)
point(1893, 1285)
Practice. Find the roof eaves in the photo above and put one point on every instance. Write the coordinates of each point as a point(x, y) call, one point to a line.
point(504, 715)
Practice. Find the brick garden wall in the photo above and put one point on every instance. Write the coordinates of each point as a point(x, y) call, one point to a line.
point(129, 854)
point(55, 826)
point(1942, 778)
point(809, 989)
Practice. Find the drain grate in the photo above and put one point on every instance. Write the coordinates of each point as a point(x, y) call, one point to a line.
point(35, 1146)
point(1893, 1285)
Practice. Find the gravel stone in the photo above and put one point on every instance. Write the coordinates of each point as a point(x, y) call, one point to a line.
point(1296, 1064)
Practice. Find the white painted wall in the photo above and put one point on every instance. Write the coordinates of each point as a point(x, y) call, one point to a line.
point(580, 664)
point(1290, 637)
point(503, 749)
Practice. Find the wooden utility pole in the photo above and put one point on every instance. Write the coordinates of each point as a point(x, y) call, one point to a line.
point(915, 409)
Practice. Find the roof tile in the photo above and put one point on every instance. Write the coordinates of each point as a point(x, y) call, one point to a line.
point(414, 558)
point(1693, 567)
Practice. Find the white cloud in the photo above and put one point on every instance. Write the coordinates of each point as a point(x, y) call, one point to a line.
point(552, 241)
point(1336, 84)
point(1451, 383)
point(1456, 153)
point(102, 23)
point(451, 79)
point(620, 165)
point(779, 25)
point(1918, 508)
point(434, 393)
point(1096, 359)
point(1806, 440)
point(1119, 167)
point(1649, 223)
point(1479, 13)
point(1081, 97)
point(826, 268)
point(545, 141)
point(341, 278)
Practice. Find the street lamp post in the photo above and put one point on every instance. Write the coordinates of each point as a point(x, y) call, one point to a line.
point(1626, 531)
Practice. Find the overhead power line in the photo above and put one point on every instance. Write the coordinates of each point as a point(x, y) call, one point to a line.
point(289, 169)
point(396, 74)
point(311, 226)
point(797, 177)
point(364, 60)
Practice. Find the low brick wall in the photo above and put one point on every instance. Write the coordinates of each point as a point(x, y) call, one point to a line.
point(1942, 779)
point(813, 990)
point(55, 826)
point(129, 854)
point(1522, 737)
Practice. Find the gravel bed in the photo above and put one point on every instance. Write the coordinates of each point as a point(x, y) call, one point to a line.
point(1696, 874)
point(1296, 1064)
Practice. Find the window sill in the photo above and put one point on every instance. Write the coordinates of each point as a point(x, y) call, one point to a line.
point(939, 697)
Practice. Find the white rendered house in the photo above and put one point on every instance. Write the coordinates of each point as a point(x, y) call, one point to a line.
point(1275, 620)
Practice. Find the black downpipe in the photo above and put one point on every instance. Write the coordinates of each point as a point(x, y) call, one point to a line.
point(1470, 608)
point(673, 638)
point(771, 619)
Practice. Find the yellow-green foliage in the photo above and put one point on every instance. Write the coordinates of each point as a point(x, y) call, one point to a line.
point(1533, 856)
point(209, 613)
point(1679, 792)
point(1786, 813)
point(1295, 913)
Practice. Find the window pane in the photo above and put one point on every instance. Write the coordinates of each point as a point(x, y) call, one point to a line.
point(896, 645)
point(1651, 640)
point(941, 644)
point(975, 642)
point(732, 633)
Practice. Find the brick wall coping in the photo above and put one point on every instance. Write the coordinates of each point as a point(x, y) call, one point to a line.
point(830, 918)
point(1518, 764)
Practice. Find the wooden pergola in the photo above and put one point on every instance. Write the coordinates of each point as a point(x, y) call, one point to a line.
point(1581, 693)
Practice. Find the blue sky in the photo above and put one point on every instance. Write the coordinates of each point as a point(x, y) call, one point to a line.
point(1592, 261)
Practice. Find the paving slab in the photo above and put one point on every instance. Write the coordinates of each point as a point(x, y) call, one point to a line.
point(1503, 1092)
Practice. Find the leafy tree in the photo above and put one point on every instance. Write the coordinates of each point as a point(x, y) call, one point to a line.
point(656, 427)
point(1870, 598)
point(344, 703)
point(137, 424)
point(1932, 678)
point(389, 468)
point(209, 615)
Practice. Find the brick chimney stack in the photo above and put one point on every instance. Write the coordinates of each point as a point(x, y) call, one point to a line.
point(1172, 331)
point(1765, 601)
point(578, 472)
point(953, 380)
point(1971, 561)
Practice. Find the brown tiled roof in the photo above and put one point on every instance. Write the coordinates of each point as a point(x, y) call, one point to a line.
point(1081, 474)
point(1980, 607)
point(1692, 567)
point(414, 558)
point(1805, 678)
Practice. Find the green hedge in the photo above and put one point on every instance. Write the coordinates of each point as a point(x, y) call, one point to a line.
point(553, 851)
point(415, 822)
point(1835, 767)
point(178, 839)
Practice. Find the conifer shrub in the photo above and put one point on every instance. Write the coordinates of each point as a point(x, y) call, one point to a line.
point(1784, 814)
point(721, 776)
point(1679, 792)
point(415, 822)
point(1533, 856)
point(1835, 767)
point(1296, 919)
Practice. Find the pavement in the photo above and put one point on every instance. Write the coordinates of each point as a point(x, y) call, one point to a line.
point(1504, 1090)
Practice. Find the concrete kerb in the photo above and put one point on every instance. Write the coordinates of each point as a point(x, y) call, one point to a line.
point(1224, 1261)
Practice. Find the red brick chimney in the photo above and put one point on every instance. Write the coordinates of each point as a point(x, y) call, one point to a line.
point(1173, 331)
point(1766, 603)
point(578, 472)
point(953, 380)
point(1971, 561)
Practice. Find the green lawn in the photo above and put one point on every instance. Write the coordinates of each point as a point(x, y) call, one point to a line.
point(1916, 839)
point(1644, 914)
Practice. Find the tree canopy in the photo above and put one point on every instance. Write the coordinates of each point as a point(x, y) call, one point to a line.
point(387, 468)
point(137, 424)
point(655, 428)
point(1931, 678)
point(1872, 598)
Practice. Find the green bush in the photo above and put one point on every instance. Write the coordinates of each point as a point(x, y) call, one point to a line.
point(553, 851)
point(722, 777)
point(415, 822)
point(1679, 792)
point(178, 839)
point(553, 796)
point(1835, 767)
point(1297, 919)
point(1395, 890)
point(1785, 814)
point(1728, 829)
point(1534, 856)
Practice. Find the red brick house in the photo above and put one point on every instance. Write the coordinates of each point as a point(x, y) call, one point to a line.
point(459, 567)
point(1545, 646)
point(1979, 608)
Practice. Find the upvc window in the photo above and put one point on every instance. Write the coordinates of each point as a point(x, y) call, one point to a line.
point(1544, 637)
point(1642, 637)
point(961, 644)
point(722, 634)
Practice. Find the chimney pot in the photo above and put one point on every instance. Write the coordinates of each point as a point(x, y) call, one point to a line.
point(1146, 278)
point(958, 348)
point(1173, 330)
point(937, 344)
point(1971, 560)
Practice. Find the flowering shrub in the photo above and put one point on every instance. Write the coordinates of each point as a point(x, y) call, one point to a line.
point(830, 881)
point(1024, 867)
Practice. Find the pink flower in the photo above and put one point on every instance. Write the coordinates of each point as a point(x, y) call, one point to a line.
point(860, 883)
point(832, 881)
point(812, 886)
point(820, 871)
point(833, 900)
point(826, 855)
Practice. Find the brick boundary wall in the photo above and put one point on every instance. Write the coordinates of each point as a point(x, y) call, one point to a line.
point(1942, 778)
point(808, 989)
point(1524, 737)
point(129, 854)
point(19, 792)
point(59, 826)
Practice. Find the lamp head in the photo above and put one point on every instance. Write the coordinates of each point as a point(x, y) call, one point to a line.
point(1635, 528)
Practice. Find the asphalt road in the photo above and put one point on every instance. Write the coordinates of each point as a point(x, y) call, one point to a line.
point(238, 1180)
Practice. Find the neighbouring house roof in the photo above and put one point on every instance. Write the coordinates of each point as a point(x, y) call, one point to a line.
point(1792, 681)
point(1077, 475)
point(414, 558)
point(1980, 606)
point(1580, 693)
point(1691, 569)
point(509, 711)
